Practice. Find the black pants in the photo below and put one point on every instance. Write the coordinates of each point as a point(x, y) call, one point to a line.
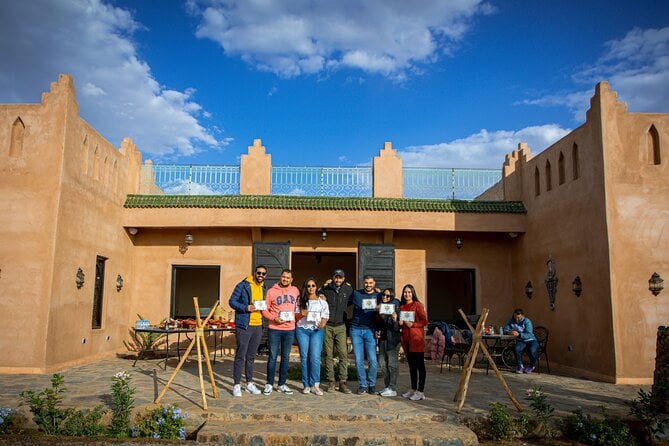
point(417, 372)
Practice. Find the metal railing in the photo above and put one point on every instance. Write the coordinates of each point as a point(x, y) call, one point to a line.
point(418, 182)
point(445, 184)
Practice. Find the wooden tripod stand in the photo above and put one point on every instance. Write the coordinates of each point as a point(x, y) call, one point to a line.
point(201, 344)
point(478, 342)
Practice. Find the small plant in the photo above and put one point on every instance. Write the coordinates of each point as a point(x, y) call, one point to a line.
point(648, 408)
point(6, 416)
point(122, 404)
point(500, 422)
point(148, 340)
point(84, 423)
point(161, 422)
point(595, 431)
point(45, 406)
point(542, 411)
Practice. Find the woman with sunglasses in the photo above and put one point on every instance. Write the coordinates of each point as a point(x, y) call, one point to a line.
point(314, 314)
point(388, 335)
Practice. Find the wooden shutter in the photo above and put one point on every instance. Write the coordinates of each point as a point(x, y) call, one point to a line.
point(379, 261)
point(275, 256)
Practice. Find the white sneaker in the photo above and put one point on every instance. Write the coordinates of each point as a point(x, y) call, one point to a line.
point(285, 389)
point(417, 396)
point(236, 390)
point(252, 389)
point(408, 394)
point(267, 390)
point(306, 390)
point(388, 392)
point(317, 390)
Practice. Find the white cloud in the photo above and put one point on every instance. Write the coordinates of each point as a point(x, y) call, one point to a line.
point(116, 90)
point(637, 68)
point(484, 149)
point(293, 37)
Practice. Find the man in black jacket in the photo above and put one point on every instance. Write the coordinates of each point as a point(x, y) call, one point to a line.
point(337, 292)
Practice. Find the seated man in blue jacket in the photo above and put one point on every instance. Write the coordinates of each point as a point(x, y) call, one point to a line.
point(521, 327)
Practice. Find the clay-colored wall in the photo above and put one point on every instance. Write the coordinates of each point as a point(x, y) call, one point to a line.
point(62, 195)
point(638, 223)
point(567, 224)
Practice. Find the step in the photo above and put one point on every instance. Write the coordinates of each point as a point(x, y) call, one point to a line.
point(304, 430)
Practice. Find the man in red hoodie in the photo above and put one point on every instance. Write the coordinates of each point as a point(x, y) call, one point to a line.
point(282, 302)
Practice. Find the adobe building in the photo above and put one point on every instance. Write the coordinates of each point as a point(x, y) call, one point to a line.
point(90, 241)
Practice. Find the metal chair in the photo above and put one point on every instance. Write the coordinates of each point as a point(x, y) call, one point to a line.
point(541, 333)
point(459, 349)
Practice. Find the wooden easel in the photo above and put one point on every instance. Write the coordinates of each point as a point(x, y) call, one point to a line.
point(477, 341)
point(201, 344)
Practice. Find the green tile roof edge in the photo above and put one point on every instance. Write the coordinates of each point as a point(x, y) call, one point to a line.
point(322, 203)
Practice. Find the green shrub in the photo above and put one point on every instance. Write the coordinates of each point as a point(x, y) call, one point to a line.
point(161, 422)
point(648, 408)
point(45, 406)
point(597, 431)
point(84, 423)
point(500, 422)
point(6, 419)
point(542, 412)
point(122, 404)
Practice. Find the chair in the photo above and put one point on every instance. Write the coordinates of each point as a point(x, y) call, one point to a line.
point(541, 333)
point(459, 349)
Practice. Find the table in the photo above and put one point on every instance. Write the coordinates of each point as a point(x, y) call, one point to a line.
point(218, 337)
point(501, 346)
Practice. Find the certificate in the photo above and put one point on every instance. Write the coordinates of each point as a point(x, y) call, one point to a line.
point(407, 316)
point(368, 304)
point(287, 316)
point(386, 309)
point(260, 305)
point(314, 316)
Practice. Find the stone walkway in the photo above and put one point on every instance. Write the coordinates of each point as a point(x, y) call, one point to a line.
point(228, 420)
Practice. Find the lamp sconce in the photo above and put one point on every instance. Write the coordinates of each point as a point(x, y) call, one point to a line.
point(577, 286)
point(188, 240)
point(119, 283)
point(655, 284)
point(458, 242)
point(80, 278)
point(529, 289)
point(324, 234)
point(133, 231)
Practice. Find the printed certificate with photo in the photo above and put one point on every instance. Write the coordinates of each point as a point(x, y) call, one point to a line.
point(368, 304)
point(260, 305)
point(287, 316)
point(407, 316)
point(314, 316)
point(386, 309)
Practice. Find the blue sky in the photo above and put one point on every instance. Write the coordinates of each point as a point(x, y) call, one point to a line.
point(451, 83)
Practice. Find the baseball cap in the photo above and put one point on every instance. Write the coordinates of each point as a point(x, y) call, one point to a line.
point(339, 272)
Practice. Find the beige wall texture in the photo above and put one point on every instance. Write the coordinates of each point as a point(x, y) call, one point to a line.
point(595, 203)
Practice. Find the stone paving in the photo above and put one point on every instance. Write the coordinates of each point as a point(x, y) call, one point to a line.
point(89, 385)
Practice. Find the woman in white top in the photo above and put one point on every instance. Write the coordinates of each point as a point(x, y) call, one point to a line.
point(313, 316)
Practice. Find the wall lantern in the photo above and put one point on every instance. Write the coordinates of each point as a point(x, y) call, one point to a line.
point(188, 240)
point(458, 242)
point(119, 283)
point(80, 278)
point(655, 284)
point(324, 234)
point(577, 286)
point(529, 289)
point(133, 231)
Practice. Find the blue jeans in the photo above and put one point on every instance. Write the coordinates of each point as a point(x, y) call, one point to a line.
point(279, 340)
point(532, 348)
point(311, 345)
point(364, 344)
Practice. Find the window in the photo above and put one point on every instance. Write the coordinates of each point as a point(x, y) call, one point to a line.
point(576, 169)
point(98, 291)
point(561, 169)
point(537, 182)
point(549, 184)
point(653, 141)
point(16, 144)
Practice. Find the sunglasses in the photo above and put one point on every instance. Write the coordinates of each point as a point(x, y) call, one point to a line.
point(261, 273)
point(311, 285)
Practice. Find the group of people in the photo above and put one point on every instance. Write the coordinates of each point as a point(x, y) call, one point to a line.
point(316, 317)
